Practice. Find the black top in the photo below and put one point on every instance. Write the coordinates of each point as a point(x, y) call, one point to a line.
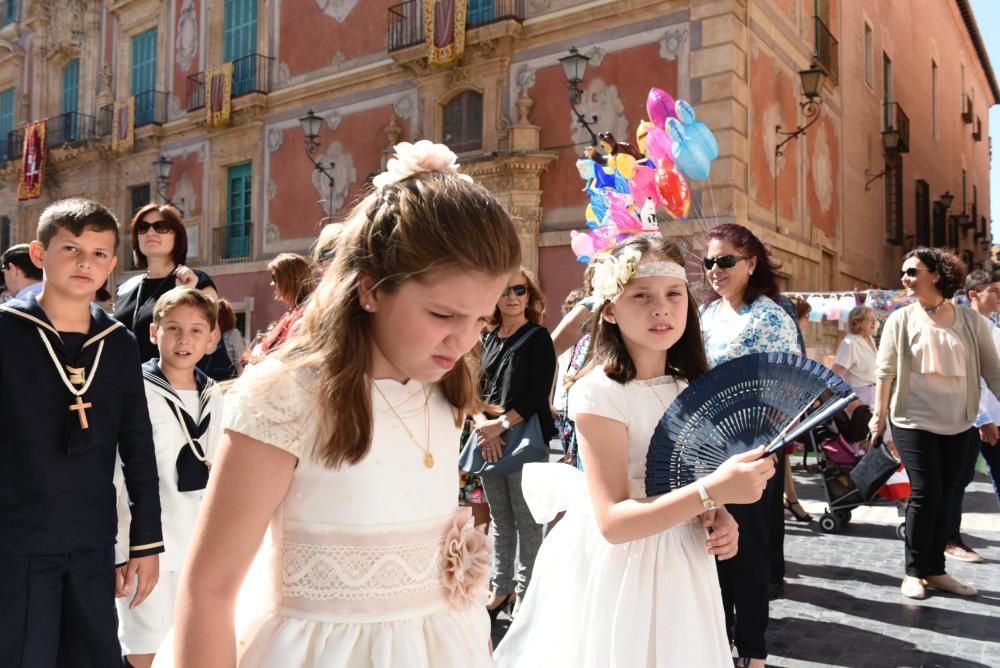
point(57, 493)
point(525, 381)
point(136, 299)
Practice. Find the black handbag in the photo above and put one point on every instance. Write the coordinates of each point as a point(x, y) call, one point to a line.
point(523, 442)
point(873, 470)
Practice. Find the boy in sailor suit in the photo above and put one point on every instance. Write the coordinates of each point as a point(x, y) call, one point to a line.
point(185, 408)
point(70, 395)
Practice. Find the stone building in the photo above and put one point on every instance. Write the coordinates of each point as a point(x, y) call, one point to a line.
point(902, 119)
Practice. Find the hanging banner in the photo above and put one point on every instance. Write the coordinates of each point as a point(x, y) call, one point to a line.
point(444, 25)
point(123, 125)
point(29, 185)
point(219, 81)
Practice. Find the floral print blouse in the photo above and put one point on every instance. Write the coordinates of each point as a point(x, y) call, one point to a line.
point(760, 327)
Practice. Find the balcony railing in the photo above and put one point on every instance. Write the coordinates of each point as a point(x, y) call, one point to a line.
point(12, 145)
point(966, 109)
point(977, 132)
point(894, 118)
point(232, 243)
point(251, 74)
point(150, 108)
point(827, 54)
point(69, 128)
point(406, 24)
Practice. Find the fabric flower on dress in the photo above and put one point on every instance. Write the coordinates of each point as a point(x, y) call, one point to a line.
point(612, 273)
point(466, 563)
point(424, 156)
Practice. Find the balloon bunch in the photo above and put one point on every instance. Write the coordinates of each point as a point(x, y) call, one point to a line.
point(627, 184)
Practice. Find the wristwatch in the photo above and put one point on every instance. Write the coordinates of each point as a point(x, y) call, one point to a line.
point(504, 422)
point(706, 500)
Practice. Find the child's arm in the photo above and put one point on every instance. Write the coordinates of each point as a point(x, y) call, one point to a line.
point(248, 481)
point(604, 446)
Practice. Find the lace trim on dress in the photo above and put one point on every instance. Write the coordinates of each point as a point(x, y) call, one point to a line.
point(342, 576)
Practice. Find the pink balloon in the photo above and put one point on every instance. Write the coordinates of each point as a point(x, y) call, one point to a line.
point(658, 144)
point(643, 185)
point(581, 244)
point(660, 106)
point(604, 237)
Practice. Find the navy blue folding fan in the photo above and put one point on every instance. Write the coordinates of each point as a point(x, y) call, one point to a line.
point(737, 406)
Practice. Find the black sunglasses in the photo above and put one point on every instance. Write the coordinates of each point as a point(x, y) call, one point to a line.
point(520, 290)
point(911, 272)
point(724, 261)
point(160, 226)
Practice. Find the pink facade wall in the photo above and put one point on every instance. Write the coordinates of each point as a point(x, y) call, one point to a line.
point(311, 39)
point(237, 287)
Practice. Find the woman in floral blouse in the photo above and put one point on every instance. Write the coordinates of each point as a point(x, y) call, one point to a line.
point(746, 319)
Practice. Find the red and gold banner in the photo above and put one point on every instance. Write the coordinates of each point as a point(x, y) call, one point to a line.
point(123, 125)
point(29, 185)
point(444, 25)
point(219, 84)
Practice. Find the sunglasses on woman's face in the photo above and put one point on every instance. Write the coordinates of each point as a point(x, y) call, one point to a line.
point(724, 261)
point(159, 226)
point(911, 272)
point(519, 290)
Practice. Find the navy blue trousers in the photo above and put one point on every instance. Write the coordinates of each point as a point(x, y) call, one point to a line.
point(58, 611)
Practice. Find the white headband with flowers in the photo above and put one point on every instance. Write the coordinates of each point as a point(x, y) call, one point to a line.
point(612, 273)
point(411, 159)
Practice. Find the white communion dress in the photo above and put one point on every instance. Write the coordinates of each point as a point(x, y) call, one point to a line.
point(653, 602)
point(373, 565)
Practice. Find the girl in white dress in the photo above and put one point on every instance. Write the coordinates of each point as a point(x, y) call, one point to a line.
point(344, 442)
point(626, 580)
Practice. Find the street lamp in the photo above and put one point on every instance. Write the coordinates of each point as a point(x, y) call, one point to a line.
point(946, 199)
point(575, 68)
point(161, 168)
point(890, 144)
point(812, 88)
point(311, 124)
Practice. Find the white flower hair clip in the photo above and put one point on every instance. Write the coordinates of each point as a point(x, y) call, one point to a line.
point(424, 156)
point(612, 274)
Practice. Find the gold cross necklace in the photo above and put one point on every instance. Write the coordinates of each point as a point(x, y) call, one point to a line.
point(426, 449)
point(76, 377)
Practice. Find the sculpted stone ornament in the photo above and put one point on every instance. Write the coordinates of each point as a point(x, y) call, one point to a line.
point(67, 23)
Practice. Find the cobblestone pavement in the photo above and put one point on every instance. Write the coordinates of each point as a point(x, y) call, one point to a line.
point(842, 605)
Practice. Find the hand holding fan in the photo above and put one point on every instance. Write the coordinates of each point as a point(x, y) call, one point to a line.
point(738, 406)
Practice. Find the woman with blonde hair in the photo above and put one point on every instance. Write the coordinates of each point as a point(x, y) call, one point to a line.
point(855, 359)
point(518, 366)
point(293, 281)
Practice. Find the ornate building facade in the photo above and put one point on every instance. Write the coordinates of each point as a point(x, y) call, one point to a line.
point(248, 191)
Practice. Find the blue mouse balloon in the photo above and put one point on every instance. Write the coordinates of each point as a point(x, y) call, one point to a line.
point(689, 155)
point(697, 130)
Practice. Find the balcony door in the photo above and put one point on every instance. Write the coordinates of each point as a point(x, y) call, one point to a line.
point(144, 76)
point(70, 100)
point(240, 36)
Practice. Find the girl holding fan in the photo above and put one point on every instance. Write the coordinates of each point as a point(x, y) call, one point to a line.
point(343, 441)
point(647, 593)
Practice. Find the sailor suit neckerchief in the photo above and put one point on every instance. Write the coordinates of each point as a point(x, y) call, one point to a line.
point(192, 467)
point(76, 375)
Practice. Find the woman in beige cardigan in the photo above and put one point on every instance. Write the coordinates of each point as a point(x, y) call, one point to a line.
point(931, 357)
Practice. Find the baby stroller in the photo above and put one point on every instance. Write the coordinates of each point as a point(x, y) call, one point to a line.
point(837, 442)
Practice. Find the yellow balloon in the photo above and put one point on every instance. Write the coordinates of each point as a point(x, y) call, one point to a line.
point(590, 215)
point(626, 165)
point(640, 135)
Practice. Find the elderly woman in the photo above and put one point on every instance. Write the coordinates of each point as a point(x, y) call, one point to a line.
point(746, 319)
point(518, 365)
point(855, 359)
point(159, 244)
point(927, 371)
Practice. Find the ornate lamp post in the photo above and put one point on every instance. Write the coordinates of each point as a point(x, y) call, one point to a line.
point(311, 124)
point(812, 88)
point(575, 68)
point(161, 167)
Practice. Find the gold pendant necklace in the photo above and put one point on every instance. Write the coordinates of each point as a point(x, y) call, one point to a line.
point(428, 456)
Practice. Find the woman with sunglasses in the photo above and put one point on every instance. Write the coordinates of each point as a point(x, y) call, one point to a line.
point(931, 358)
point(519, 363)
point(159, 245)
point(746, 319)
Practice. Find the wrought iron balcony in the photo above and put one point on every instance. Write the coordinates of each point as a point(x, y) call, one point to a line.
point(977, 132)
point(967, 114)
point(406, 22)
point(150, 108)
point(69, 128)
point(251, 74)
point(12, 145)
point(894, 118)
point(232, 243)
point(827, 50)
